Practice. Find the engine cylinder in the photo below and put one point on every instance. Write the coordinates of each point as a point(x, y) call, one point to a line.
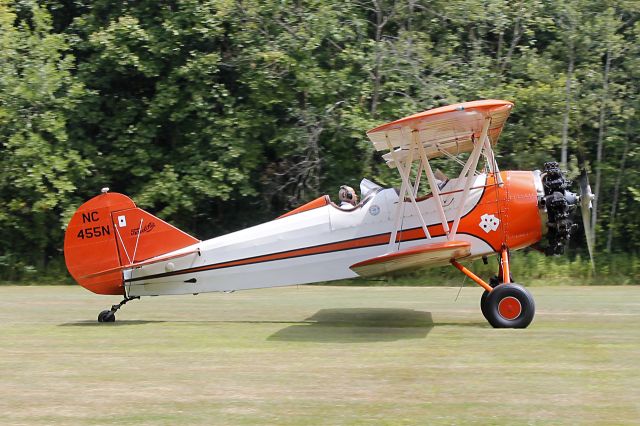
point(559, 204)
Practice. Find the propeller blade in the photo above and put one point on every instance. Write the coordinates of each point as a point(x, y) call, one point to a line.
point(586, 198)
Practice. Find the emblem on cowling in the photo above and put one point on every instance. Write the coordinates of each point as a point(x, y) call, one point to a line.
point(489, 222)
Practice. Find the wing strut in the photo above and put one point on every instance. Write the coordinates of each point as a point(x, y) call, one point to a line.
point(469, 172)
point(481, 146)
point(491, 161)
point(432, 183)
point(468, 127)
point(405, 188)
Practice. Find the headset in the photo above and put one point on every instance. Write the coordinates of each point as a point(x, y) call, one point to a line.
point(346, 192)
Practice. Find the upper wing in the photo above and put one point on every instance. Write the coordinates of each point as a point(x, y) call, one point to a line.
point(452, 128)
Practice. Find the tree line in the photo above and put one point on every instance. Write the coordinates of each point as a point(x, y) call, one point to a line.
point(216, 115)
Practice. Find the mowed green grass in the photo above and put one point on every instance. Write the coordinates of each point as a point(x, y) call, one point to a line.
point(318, 356)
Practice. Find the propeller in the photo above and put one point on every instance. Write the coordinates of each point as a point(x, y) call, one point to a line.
point(586, 198)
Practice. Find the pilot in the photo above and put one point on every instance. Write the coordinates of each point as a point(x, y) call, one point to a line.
point(347, 196)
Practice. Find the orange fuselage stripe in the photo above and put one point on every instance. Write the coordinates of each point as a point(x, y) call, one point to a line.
point(363, 242)
point(406, 235)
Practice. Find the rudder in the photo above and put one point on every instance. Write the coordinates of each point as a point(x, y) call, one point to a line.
point(109, 233)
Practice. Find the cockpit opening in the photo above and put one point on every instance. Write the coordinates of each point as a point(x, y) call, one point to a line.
point(348, 199)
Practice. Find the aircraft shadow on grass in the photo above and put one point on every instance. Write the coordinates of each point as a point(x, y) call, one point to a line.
point(93, 323)
point(346, 325)
point(354, 325)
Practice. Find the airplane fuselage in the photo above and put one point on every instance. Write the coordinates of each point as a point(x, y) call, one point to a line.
point(320, 242)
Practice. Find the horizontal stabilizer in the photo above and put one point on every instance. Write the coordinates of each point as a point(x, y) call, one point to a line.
point(427, 255)
point(140, 264)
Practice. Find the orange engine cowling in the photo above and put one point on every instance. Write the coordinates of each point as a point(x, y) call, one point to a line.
point(520, 213)
point(109, 233)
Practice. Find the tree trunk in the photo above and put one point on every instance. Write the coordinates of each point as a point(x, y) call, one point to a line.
point(601, 135)
point(517, 34)
point(377, 78)
point(616, 194)
point(564, 147)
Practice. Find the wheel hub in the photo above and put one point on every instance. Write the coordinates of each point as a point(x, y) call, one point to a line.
point(509, 308)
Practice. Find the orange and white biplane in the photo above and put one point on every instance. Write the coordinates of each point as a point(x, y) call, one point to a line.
point(113, 247)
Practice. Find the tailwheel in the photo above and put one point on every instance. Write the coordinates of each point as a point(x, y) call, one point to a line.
point(110, 315)
point(509, 306)
point(106, 316)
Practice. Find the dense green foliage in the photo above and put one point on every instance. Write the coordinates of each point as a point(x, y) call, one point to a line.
point(221, 114)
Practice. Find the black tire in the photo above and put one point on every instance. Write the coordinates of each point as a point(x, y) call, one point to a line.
point(509, 306)
point(106, 316)
point(483, 304)
point(493, 282)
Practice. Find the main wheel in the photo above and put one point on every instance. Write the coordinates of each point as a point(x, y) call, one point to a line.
point(483, 304)
point(493, 282)
point(509, 306)
point(106, 316)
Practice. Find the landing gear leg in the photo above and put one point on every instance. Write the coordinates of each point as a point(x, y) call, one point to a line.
point(496, 280)
point(504, 304)
point(507, 305)
point(110, 315)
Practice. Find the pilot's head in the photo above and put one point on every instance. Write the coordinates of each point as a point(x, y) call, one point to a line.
point(347, 195)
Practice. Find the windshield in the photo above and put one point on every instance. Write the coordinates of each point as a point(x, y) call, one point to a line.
point(366, 187)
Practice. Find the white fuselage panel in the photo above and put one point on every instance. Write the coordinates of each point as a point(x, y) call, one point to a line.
point(312, 246)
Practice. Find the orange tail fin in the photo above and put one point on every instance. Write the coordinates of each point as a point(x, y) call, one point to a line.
point(109, 233)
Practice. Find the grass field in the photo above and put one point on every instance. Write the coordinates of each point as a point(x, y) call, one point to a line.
point(318, 355)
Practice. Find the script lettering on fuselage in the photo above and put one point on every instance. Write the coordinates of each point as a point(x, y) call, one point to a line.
point(146, 228)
